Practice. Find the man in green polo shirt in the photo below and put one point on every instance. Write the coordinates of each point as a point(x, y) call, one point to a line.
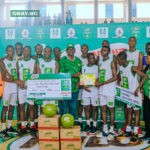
point(71, 64)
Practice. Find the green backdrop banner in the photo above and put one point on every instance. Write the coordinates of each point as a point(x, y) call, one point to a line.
point(92, 34)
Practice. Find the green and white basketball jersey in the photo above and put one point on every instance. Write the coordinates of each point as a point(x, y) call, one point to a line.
point(105, 73)
point(84, 60)
point(133, 57)
point(128, 78)
point(12, 69)
point(26, 67)
point(47, 67)
point(94, 90)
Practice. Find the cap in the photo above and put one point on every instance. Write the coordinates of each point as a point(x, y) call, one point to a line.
point(70, 45)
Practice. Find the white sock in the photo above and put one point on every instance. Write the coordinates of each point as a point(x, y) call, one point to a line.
point(9, 124)
point(23, 123)
point(128, 128)
point(80, 120)
point(3, 126)
point(136, 130)
point(105, 127)
point(31, 123)
point(94, 123)
point(91, 120)
point(35, 120)
point(88, 122)
point(111, 128)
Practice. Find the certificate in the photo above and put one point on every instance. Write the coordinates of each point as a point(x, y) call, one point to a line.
point(128, 97)
point(87, 79)
point(49, 87)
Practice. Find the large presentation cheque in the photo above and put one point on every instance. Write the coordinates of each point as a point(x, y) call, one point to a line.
point(49, 87)
point(128, 97)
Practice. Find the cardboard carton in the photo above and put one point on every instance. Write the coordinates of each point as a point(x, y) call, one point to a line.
point(70, 133)
point(48, 134)
point(71, 145)
point(44, 121)
point(49, 145)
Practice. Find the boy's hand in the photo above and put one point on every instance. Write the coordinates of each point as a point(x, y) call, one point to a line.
point(86, 88)
point(136, 92)
point(78, 74)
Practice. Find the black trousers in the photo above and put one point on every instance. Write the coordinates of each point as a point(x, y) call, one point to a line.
point(146, 113)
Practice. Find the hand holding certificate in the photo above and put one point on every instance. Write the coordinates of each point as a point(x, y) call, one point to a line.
point(87, 79)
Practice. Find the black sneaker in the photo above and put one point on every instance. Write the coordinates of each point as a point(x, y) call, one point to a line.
point(22, 132)
point(18, 126)
point(134, 139)
point(87, 128)
point(146, 136)
point(93, 129)
point(127, 134)
point(33, 130)
point(81, 126)
point(91, 124)
point(3, 133)
point(11, 130)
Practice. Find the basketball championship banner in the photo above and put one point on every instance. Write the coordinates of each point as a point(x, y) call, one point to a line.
point(92, 34)
point(127, 96)
point(49, 87)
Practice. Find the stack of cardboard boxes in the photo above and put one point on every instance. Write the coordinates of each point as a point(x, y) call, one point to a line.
point(49, 132)
point(54, 137)
point(70, 138)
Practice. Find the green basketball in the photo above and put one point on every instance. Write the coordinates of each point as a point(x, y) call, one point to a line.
point(49, 110)
point(67, 120)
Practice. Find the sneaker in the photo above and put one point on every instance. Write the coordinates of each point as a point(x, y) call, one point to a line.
point(127, 134)
point(110, 136)
point(87, 128)
point(11, 130)
point(91, 124)
point(93, 129)
point(33, 130)
point(18, 126)
point(3, 133)
point(105, 131)
point(140, 134)
point(22, 131)
point(134, 139)
point(81, 126)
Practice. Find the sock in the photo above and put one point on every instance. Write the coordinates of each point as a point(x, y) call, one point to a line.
point(88, 122)
point(35, 120)
point(136, 130)
point(111, 128)
point(23, 123)
point(9, 123)
point(80, 120)
point(105, 127)
point(31, 123)
point(94, 123)
point(91, 120)
point(3, 126)
point(128, 128)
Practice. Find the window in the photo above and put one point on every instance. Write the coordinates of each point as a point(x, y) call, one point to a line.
point(143, 10)
point(101, 11)
point(118, 10)
point(85, 11)
point(109, 10)
point(133, 10)
point(53, 10)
